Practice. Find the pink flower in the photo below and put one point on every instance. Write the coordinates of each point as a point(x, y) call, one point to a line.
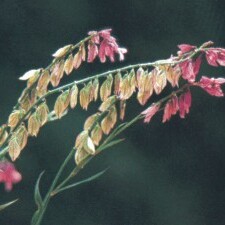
point(150, 112)
point(92, 52)
point(171, 108)
point(108, 46)
point(185, 48)
point(184, 103)
point(212, 85)
point(215, 56)
point(9, 175)
point(190, 69)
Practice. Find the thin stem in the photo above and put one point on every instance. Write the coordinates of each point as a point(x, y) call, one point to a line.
point(48, 195)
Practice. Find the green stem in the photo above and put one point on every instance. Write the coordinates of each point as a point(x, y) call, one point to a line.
point(48, 195)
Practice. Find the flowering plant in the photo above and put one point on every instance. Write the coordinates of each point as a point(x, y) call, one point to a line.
point(101, 129)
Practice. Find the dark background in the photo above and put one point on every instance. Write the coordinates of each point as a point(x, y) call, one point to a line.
point(163, 174)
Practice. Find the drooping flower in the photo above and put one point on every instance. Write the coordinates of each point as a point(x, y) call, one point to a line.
point(9, 175)
point(150, 112)
point(92, 51)
point(215, 56)
point(185, 48)
point(184, 103)
point(108, 46)
point(171, 108)
point(190, 69)
point(212, 85)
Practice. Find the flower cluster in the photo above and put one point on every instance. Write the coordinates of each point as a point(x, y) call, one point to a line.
point(212, 85)
point(9, 175)
point(215, 56)
point(108, 46)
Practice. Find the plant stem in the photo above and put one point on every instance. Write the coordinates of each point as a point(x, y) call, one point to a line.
point(48, 195)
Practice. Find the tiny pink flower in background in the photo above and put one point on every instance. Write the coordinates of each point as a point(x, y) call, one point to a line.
point(190, 69)
point(171, 108)
point(184, 103)
point(150, 112)
point(9, 175)
point(215, 56)
point(185, 48)
point(212, 85)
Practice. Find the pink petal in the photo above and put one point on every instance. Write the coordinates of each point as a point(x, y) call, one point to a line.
point(150, 112)
point(186, 48)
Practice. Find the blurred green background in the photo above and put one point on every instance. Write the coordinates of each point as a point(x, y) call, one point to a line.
point(163, 174)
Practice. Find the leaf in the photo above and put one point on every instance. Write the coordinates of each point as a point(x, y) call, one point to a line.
point(37, 195)
point(3, 206)
point(38, 199)
point(110, 144)
point(89, 179)
point(62, 51)
point(29, 74)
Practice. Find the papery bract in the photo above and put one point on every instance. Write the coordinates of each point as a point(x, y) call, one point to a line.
point(150, 112)
point(215, 56)
point(190, 69)
point(185, 48)
point(171, 108)
point(9, 175)
point(92, 52)
point(212, 85)
point(184, 103)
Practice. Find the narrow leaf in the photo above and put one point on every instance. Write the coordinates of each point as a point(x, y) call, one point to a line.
point(3, 206)
point(38, 199)
point(110, 144)
point(89, 179)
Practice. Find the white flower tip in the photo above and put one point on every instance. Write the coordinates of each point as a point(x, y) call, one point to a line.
point(29, 74)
